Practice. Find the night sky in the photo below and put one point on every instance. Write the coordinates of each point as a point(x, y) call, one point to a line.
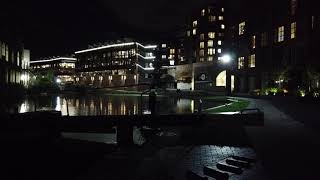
point(60, 27)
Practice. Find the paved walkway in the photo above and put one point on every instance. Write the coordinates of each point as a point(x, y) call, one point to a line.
point(287, 148)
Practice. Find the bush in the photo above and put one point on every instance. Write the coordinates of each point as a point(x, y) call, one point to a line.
point(272, 91)
point(314, 93)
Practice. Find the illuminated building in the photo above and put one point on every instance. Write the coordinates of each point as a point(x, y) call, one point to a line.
point(205, 34)
point(115, 65)
point(12, 61)
point(63, 68)
point(203, 47)
point(276, 46)
point(193, 56)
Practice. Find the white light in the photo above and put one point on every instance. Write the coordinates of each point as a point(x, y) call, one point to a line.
point(54, 59)
point(151, 57)
point(105, 47)
point(116, 45)
point(172, 63)
point(147, 69)
point(147, 47)
point(23, 108)
point(58, 104)
point(58, 80)
point(226, 59)
point(24, 77)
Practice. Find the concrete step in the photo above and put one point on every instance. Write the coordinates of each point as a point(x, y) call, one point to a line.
point(238, 163)
point(240, 158)
point(215, 173)
point(229, 168)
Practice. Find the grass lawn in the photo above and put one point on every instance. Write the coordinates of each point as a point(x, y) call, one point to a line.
point(234, 106)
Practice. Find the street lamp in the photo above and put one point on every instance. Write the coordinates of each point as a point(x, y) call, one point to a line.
point(226, 59)
point(58, 80)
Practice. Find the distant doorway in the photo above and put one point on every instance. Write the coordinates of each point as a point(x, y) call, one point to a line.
point(221, 79)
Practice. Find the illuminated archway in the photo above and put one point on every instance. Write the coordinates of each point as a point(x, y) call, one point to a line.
point(221, 79)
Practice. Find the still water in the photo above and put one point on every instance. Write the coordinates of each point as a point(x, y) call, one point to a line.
point(87, 105)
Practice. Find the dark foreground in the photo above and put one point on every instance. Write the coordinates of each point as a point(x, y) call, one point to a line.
point(286, 147)
point(168, 152)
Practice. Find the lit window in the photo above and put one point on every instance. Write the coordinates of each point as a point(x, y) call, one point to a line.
point(163, 45)
point(293, 30)
point(172, 51)
point(172, 63)
point(252, 61)
point(223, 26)
point(188, 33)
point(212, 18)
point(203, 12)
point(201, 52)
point(202, 37)
point(210, 58)
point(220, 18)
point(219, 51)
point(201, 45)
point(210, 43)
point(253, 42)
point(164, 56)
point(240, 62)
point(222, 9)
point(194, 31)
point(219, 58)
point(195, 23)
point(264, 39)
point(281, 34)
point(211, 51)
point(219, 42)
point(242, 28)
point(211, 35)
point(201, 59)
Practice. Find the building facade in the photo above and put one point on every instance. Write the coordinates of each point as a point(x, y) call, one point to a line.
point(276, 46)
point(204, 47)
point(205, 34)
point(115, 65)
point(62, 68)
point(12, 62)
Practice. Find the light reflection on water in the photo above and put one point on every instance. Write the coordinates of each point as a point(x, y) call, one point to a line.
point(105, 105)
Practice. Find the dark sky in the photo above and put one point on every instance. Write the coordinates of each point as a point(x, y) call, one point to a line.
point(58, 27)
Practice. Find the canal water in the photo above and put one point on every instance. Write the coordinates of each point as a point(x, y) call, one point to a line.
point(88, 105)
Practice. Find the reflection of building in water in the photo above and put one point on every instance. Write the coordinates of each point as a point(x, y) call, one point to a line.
point(115, 65)
point(192, 106)
point(109, 108)
point(123, 108)
point(63, 68)
point(135, 109)
point(183, 105)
